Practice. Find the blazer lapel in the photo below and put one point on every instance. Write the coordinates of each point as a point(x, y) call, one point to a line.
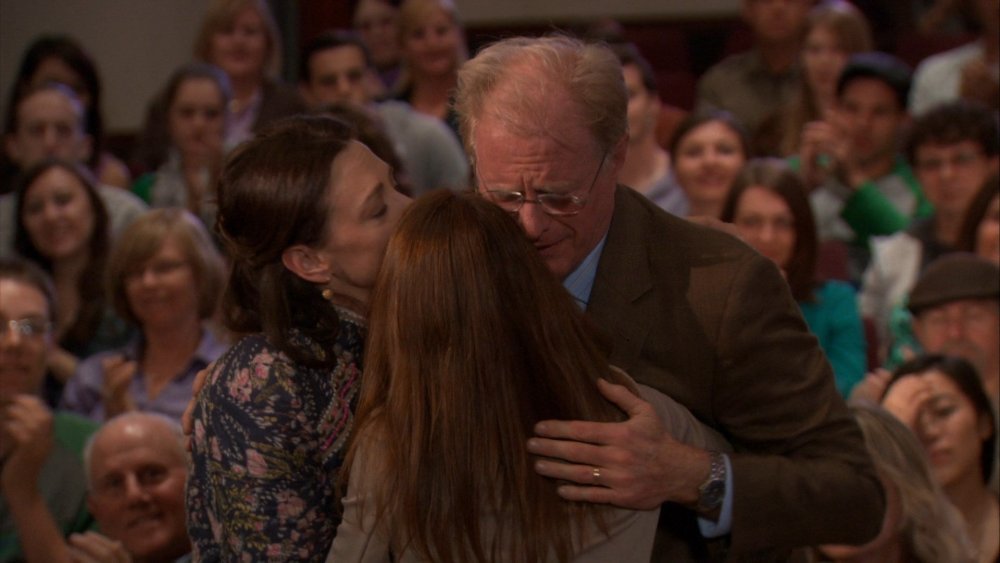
point(623, 277)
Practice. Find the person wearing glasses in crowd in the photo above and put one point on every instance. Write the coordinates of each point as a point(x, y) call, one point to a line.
point(165, 277)
point(690, 311)
point(42, 487)
point(953, 149)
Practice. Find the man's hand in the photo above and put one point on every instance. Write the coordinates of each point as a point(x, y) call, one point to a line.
point(633, 464)
point(118, 375)
point(91, 547)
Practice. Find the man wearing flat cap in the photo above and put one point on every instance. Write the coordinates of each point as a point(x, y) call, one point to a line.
point(956, 311)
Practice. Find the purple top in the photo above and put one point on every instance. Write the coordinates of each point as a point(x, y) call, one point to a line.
point(83, 392)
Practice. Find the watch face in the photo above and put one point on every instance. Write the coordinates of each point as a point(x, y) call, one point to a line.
point(712, 495)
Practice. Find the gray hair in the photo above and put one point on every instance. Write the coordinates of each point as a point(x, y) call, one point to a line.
point(527, 71)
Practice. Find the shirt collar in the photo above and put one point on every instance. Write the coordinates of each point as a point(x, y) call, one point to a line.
point(580, 281)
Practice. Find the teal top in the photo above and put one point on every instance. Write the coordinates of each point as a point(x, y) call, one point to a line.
point(61, 482)
point(834, 319)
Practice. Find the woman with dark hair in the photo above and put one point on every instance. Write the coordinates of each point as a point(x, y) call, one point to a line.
point(835, 30)
point(305, 213)
point(196, 96)
point(941, 398)
point(769, 207)
point(472, 343)
point(980, 230)
point(60, 58)
point(708, 150)
point(242, 38)
point(63, 226)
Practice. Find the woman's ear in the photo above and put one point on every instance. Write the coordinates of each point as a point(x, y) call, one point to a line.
point(306, 263)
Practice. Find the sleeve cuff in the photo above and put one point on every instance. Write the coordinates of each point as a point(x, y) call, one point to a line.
point(709, 529)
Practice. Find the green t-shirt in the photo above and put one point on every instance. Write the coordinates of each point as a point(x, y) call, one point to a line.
point(62, 484)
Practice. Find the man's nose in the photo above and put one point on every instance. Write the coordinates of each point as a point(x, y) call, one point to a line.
point(50, 141)
point(134, 491)
point(533, 220)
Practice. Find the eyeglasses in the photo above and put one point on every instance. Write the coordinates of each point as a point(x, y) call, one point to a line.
point(969, 316)
point(31, 327)
point(158, 268)
point(557, 204)
point(960, 160)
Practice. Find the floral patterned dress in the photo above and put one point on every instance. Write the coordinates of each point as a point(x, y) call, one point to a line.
point(268, 443)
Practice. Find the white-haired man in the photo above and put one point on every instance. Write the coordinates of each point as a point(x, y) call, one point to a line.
point(136, 468)
point(693, 313)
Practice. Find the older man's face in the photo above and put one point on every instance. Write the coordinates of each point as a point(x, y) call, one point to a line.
point(138, 475)
point(536, 165)
point(968, 328)
point(49, 125)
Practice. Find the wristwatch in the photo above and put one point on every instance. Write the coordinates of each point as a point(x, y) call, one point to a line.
point(713, 489)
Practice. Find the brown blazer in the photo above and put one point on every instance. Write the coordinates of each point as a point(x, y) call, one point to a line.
point(698, 315)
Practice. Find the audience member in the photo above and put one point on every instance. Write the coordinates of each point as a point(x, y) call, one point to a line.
point(953, 149)
point(42, 487)
point(62, 225)
point(59, 58)
point(136, 467)
point(647, 164)
point(755, 84)
point(165, 277)
point(861, 186)
point(980, 231)
point(305, 213)
point(377, 21)
point(708, 151)
point(943, 401)
point(971, 71)
point(49, 123)
point(920, 524)
point(196, 99)
point(956, 310)
point(675, 300)
point(462, 489)
point(835, 31)
point(242, 38)
point(369, 132)
point(769, 206)
point(333, 69)
point(432, 47)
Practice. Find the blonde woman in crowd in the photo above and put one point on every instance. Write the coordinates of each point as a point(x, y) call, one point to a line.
point(242, 38)
point(920, 525)
point(433, 47)
point(165, 277)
